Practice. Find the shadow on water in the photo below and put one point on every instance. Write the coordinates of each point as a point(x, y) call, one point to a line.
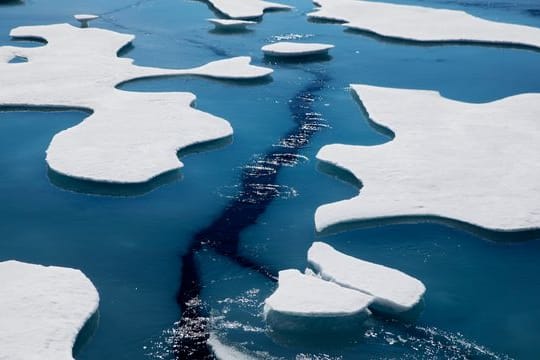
point(257, 191)
point(296, 60)
point(86, 333)
point(11, 3)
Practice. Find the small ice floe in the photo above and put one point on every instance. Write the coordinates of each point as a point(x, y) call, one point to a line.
point(393, 291)
point(295, 49)
point(84, 19)
point(418, 23)
point(245, 9)
point(130, 137)
point(231, 24)
point(307, 304)
point(225, 352)
point(484, 173)
point(42, 310)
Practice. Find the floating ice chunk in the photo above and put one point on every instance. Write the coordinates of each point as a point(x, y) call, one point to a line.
point(42, 309)
point(231, 24)
point(304, 303)
point(131, 137)
point(245, 9)
point(225, 352)
point(485, 172)
point(286, 48)
point(422, 23)
point(85, 18)
point(394, 292)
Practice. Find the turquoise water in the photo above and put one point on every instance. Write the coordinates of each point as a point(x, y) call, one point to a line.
point(482, 294)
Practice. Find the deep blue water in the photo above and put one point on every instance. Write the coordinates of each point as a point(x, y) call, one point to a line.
point(482, 294)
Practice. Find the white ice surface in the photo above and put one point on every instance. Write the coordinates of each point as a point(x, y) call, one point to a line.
point(42, 309)
point(131, 137)
point(422, 23)
point(85, 17)
point(231, 24)
point(225, 352)
point(476, 163)
point(245, 9)
point(286, 48)
point(309, 296)
point(394, 292)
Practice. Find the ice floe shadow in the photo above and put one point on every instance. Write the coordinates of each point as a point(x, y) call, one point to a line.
point(296, 60)
point(90, 187)
point(6, 3)
point(18, 60)
point(86, 333)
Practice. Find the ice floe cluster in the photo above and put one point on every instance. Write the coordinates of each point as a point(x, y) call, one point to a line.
point(419, 23)
point(42, 310)
point(129, 137)
point(484, 172)
point(337, 293)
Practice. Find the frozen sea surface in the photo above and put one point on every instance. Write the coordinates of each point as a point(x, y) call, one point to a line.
point(138, 249)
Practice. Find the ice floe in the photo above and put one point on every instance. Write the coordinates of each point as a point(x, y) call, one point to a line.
point(231, 24)
point(42, 310)
point(85, 18)
point(287, 48)
point(245, 9)
point(304, 303)
point(393, 291)
point(225, 352)
point(475, 163)
point(422, 23)
point(130, 137)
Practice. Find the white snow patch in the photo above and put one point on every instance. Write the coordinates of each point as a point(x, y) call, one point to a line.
point(286, 48)
point(42, 309)
point(422, 23)
point(245, 9)
point(476, 163)
point(131, 137)
point(394, 292)
point(231, 24)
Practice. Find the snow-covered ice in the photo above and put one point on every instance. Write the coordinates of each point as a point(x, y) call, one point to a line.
point(130, 137)
point(42, 309)
point(307, 303)
point(394, 292)
point(245, 9)
point(422, 23)
point(231, 24)
point(475, 163)
point(287, 48)
point(85, 18)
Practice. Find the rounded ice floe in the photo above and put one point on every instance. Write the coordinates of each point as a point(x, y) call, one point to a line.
point(42, 309)
point(419, 23)
point(393, 291)
point(295, 49)
point(84, 19)
point(130, 137)
point(231, 24)
point(304, 303)
point(245, 9)
point(485, 172)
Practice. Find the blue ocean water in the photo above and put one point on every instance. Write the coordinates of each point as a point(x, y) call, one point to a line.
point(482, 293)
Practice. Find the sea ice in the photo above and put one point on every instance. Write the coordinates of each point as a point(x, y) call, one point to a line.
point(225, 352)
point(422, 23)
point(475, 163)
point(42, 309)
point(231, 24)
point(393, 291)
point(130, 137)
point(85, 18)
point(304, 303)
point(245, 9)
point(286, 48)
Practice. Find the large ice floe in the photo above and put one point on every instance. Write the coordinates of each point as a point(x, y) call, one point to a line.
point(42, 310)
point(295, 49)
point(245, 9)
point(393, 292)
point(422, 23)
point(129, 137)
point(305, 303)
point(474, 163)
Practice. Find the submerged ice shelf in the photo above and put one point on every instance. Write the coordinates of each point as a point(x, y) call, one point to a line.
point(422, 23)
point(393, 291)
point(475, 163)
point(245, 9)
point(129, 137)
point(295, 49)
point(42, 310)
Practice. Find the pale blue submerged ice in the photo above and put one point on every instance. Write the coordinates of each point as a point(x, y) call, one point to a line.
point(132, 247)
